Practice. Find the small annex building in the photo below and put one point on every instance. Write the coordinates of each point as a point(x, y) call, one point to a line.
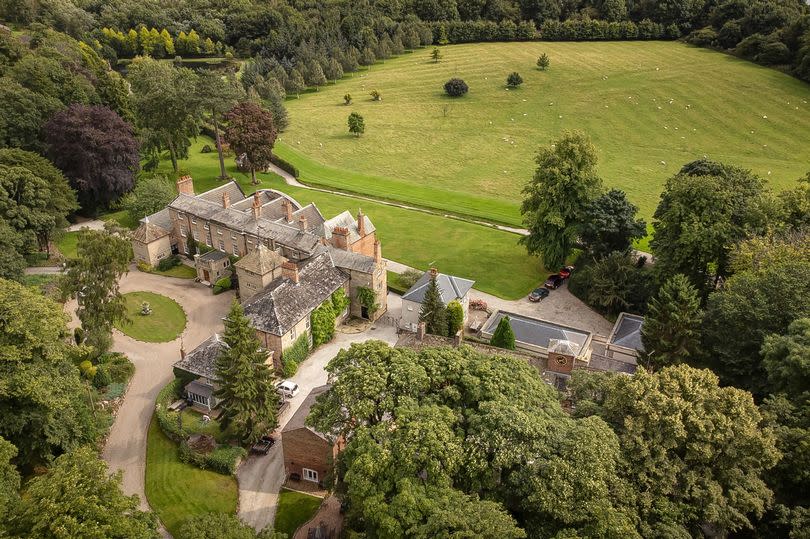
point(308, 454)
point(151, 243)
point(197, 369)
point(452, 288)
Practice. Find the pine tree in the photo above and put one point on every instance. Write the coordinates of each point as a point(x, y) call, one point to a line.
point(433, 312)
point(249, 400)
point(671, 329)
point(504, 336)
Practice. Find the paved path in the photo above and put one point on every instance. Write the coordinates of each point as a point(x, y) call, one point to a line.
point(92, 224)
point(126, 446)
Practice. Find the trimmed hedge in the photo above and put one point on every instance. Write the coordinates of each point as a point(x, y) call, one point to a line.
point(284, 165)
point(168, 420)
point(294, 355)
point(224, 459)
point(222, 285)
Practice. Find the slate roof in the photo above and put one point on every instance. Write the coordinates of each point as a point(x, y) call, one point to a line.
point(537, 332)
point(213, 256)
point(314, 217)
point(602, 363)
point(199, 388)
point(349, 260)
point(163, 219)
point(347, 220)
point(148, 232)
point(283, 303)
point(451, 288)
point(298, 420)
point(287, 235)
point(201, 360)
point(627, 332)
point(260, 261)
point(233, 189)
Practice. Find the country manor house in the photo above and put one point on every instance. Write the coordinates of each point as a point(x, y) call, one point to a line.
point(290, 259)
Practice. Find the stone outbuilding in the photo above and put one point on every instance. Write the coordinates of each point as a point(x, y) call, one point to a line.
point(151, 243)
point(212, 266)
point(452, 288)
point(308, 454)
point(256, 270)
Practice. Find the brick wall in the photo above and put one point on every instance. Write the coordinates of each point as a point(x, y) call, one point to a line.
point(303, 448)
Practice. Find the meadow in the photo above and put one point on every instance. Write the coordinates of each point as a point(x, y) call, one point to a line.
point(649, 107)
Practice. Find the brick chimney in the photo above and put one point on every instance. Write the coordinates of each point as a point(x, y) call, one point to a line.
point(288, 210)
point(377, 252)
point(302, 223)
point(226, 200)
point(421, 329)
point(290, 270)
point(340, 237)
point(361, 223)
point(185, 185)
point(257, 206)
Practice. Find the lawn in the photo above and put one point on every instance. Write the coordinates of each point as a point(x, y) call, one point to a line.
point(649, 107)
point(67, 244)
point(180, 271)
point(165, 323)
point(489, 256)
point(294, 508)
point(177, 491)
point(122, 217)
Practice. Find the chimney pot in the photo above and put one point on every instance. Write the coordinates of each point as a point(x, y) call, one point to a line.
point(361, 223)
point(302, 223)
point(257, 206)
point(288, 210)
point(434, 272)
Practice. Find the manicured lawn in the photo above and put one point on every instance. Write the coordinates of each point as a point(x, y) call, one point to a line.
point(122, 217)
point(67, 244)
point(489, 256)
point(177, 491)
point(180, 271)
point(164, 324)
point(649, 107)
point(293, 510)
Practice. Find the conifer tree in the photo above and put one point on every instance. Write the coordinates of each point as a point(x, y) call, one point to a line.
point(671, 330)
point(249, 400)
point(455, 317)
point(504, 336)
point(433, 312)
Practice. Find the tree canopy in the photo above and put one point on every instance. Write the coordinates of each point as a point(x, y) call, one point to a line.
point(610, 224)
point(251, 131)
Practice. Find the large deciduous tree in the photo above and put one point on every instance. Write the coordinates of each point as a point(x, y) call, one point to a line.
point(103, 257)
point(222, 526)
point(249, 399)
point(555, 200)
point(786, 359)
point(79, 498)
point(693, 453)
point(151, 194)
point(610, 224)
point(704, 211)
point(251, 131)
point(22, 115)
point(96, 150)
point(166, 105)
point(671, 329)
point(9, 485)
point(433, 312)
point(218, 95)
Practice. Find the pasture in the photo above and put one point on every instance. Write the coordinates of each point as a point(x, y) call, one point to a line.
point(649, 107)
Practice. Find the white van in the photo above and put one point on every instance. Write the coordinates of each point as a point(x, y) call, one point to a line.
point(287, 389)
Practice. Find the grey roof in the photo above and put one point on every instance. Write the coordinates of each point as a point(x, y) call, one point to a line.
point(163, 219)
point(260, 261)
point(627, 332)
point(213, 256)
point(283, 303)
point(602, 363)
point(347, 220)
point(298, 420)
point(201, 361)
point(313, 216)
point(537, 332)
point(350, 260)
point(287, 235)
point(199, 388)
point(233, 189)
point(451, 288)
point(148, 232)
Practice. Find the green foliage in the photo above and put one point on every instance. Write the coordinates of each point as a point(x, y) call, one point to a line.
point(543, 62)
point(294, 355)
point(357, 125)
point(9, 484)
point(102, 377)
point(222, 285)
point(610, 224)
point(367, 298)
point(347, 99)
point(613, 284)
point(456, 87)
point(786, 359)
point(247, 396)
point(555, 200)
point(151, 194)
point(340, 300)
point(224, 459)
point(322, 321)
point(252, 132)
point(513, 80)
point(433, 312)
point(671, 329)
point(169, 421)
point(49, 510)
point(220, 526)
point(455, 317)
point(168, 263)
point(504, 336)
point(436, 55)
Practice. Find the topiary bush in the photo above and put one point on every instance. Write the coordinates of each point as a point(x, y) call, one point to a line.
point(456, 87)
point(222, 285)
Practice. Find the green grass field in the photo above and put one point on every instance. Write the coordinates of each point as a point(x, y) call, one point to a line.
point(164, 324)
point(649, 107)
point(67, 244)
point(177, 491)
point(294, 508)
point(489, 256)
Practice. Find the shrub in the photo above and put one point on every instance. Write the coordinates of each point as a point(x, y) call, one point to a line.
point(206, 149)
point(284, 165)
point(514, 79)
point(168, 263)
point(102, 377)
point(222, 285)
point(366, 298)
point(168, 421)
point(78, 335)
point(115, 390)
point(376, 95)
point(118, 366)
point(144, 267)
point(223, 459)
point(347, 99)
point(323, 323)
point(455, 317)
point(456, 87)
point(409, 277)
point(294, 355)
point(85, 367)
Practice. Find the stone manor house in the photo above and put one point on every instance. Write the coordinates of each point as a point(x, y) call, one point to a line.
point(290, 258)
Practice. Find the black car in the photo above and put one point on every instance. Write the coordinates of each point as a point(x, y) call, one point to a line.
point(538, 294)
point(554, 281)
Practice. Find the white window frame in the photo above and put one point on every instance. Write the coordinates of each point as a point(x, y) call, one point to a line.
point(206, 226)
point(309, 475)
point(183, 230)
point(221, 245)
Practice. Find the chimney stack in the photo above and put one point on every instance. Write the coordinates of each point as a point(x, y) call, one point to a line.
point(185, 185)
point(361, 223)
point(289, 210)
point(340, 237)
point(421, 329)
point(257, 206)
point(457, 338)
point(302, 223)
point(377, 252)
point(290, 270)
point(226, 200)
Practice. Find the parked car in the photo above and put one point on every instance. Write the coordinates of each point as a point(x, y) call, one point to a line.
point(554, 281)
point(287, 389)
point(538, 294)
point(263, 445)
point(566, 271)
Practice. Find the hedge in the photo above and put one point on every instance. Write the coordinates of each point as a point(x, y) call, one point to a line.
point(284, 165)
point(224, 459)
point(294, 355)
point(168, 419)
point(222, 285)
